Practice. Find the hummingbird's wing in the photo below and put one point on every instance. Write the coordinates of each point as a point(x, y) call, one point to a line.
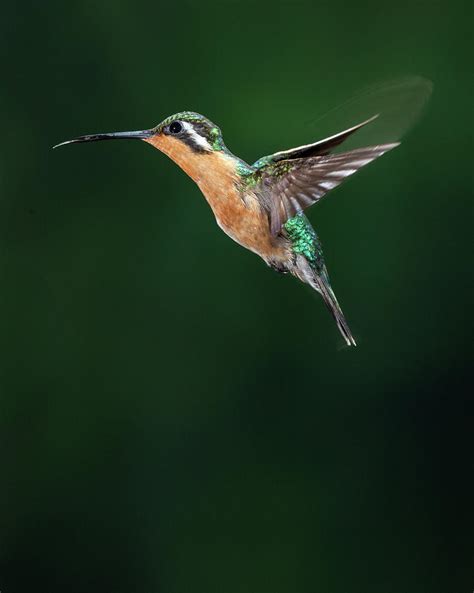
point(289, 186)
point(319, 148)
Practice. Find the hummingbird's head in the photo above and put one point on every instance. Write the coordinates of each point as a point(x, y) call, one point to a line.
point(186, 137)
point(192, 141)
point(190, 129)
point(187, 128)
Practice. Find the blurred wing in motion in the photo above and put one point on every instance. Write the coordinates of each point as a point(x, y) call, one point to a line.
point(398, 103)
point(290, 181)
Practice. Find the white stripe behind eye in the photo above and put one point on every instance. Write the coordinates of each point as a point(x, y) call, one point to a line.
point(197, 138)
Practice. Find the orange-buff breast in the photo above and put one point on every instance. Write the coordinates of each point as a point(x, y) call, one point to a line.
point(215, 173)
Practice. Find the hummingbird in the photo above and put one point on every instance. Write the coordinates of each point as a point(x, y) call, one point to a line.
point(261, 206)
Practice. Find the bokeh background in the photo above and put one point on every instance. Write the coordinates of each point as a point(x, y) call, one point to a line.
point(175, 417)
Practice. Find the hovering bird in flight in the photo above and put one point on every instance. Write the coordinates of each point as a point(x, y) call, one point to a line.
point(261, 206)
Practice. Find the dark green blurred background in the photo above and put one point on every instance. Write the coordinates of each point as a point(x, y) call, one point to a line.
point(176, 418)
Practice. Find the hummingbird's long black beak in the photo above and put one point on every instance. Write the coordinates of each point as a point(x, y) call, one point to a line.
point(139, 135)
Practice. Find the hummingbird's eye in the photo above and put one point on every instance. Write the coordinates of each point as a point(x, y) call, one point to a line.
point(175, 127)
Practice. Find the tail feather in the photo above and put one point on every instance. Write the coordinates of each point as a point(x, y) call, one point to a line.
point(320, 282)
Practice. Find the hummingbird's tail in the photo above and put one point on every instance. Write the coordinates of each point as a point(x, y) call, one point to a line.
point(320, 282)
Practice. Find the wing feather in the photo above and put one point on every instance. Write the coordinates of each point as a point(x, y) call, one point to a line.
point(319, 148)
point(288, 187)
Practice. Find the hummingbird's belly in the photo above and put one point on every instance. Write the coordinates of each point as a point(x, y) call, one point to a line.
point(238, 212)
point(244, 221)
point(250, 235)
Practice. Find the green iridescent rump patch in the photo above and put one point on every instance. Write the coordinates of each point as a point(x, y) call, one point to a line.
point(305, 240)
